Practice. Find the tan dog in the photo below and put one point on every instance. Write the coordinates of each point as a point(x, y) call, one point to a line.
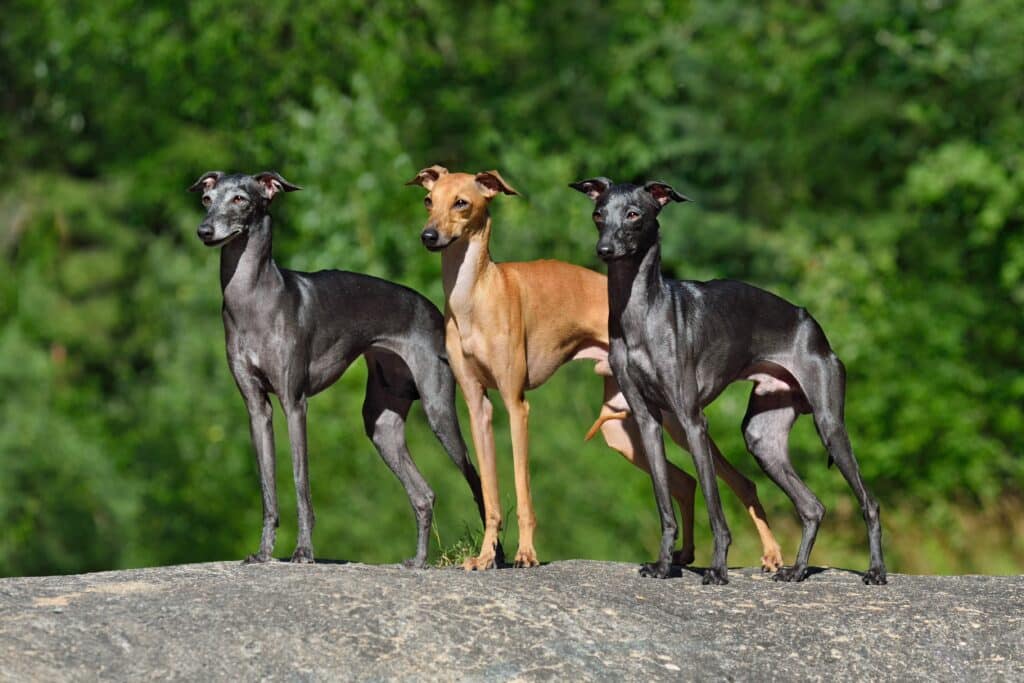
point(509, 326)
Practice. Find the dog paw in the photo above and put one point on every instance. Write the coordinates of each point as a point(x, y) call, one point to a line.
point(771, 561)
point(715, 576)
point(792, 574)
point(258, 558)
point(683, 557)
point(303, 555)
point(414, 563)
point(479, 563)
point(526, 558)
point(655, 570)
point(875, 576)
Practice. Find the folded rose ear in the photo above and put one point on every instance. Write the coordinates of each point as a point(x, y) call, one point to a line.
point(273, 183)
point(663, 193)
point(592, 187)
point(491, 183)
point(428, 176)
point(207, 181)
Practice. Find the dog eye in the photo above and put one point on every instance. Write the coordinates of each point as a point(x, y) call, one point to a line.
point(207, 201)
point(461, 204)
point(238, 199)
point(632, 215)
point(427, 202)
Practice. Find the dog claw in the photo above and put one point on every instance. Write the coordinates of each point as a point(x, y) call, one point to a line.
point(875, 576)
point(792, 574)
point(303, 555)
point(771, 562)
point(257, 558)
point(525, 559)
point(655, 570)
point(715, 577)
point(479, 564)
point(414, 563)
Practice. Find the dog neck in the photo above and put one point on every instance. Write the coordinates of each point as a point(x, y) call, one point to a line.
point(635, 281)
point(464, 264)
point(246, 262)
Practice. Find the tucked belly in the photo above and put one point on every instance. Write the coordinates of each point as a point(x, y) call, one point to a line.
point(539, 369)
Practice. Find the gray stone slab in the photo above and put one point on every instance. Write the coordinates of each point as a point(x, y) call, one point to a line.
point(574, 620)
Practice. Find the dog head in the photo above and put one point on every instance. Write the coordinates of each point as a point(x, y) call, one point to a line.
point(235, 202)
point(456, 203)
point(626, 215)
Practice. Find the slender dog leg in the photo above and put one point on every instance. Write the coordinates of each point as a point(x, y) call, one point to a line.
point(481, 414)
point(295, 412)
point(654, 448)
point(384, 419)
point(824, 384)
point(261, 427)
point(766, 428)
point(623, 436)
point(745, 490)
point(695, 428)
point(519, 415)
point(437, 391)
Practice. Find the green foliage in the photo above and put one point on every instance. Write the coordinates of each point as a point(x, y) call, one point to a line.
point(865, 160)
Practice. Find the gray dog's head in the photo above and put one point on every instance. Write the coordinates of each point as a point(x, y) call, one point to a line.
point(234, 202)
point(626, 215)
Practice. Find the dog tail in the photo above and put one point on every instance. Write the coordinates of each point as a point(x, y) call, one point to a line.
point(622, 415)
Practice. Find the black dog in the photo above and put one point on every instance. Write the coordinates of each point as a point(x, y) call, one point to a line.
point(293, 334)
point(675, 345)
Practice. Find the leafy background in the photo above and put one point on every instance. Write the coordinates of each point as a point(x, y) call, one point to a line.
point(863, 159)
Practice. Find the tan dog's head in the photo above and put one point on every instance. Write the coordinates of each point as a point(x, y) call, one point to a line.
point(457, 203)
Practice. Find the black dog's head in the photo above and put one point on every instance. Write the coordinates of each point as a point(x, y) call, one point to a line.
point(235, 202)
point(626, 215)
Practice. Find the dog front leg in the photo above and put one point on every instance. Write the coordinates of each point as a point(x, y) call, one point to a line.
point(261, 427)
point(519, 415)
point(624, 436)
point(295, 412)
point(654, 447)
point(695, 428)
point(481, 415)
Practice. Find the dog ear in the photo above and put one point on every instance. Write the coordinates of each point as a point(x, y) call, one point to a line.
point(663, 193)
point(273, 183)
point(491, 183)
point(206, 181)
point(428, 176)
point(592, 187)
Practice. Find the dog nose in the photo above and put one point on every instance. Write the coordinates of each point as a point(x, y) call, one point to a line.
point(205, 232)
point(430, 237)
point(604, 250)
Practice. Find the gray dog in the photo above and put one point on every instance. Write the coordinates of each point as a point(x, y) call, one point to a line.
point(675, 345)
point(293, 334)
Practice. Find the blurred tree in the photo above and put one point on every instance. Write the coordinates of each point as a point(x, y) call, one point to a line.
point(863, 159)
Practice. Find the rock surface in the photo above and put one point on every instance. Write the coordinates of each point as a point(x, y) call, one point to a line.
point(575, 620)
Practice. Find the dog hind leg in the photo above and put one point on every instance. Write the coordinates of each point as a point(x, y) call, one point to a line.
point(436, 387)
point(384, 416)
point(824, 384)
point(766, 428)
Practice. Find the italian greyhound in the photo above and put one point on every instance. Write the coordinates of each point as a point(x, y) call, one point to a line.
point(509, 326)
point(675, 345)
point(293, 334)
